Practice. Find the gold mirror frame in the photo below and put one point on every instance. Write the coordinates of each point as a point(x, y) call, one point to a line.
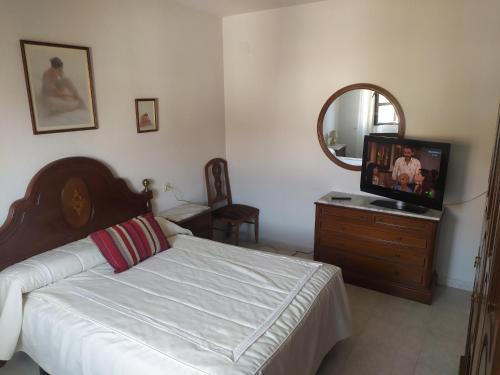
point(356, 86)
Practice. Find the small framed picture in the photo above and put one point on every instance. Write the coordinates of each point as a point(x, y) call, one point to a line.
point(60, 87)
point(146, 111)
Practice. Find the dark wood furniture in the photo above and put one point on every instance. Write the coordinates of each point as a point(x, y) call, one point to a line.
point(482, 353)
point(220, 199)
point(200, 222)
point(340, 151)
point(387, 251)
point(66, 201)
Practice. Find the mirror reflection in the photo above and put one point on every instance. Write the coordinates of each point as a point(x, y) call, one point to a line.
point(353, 115)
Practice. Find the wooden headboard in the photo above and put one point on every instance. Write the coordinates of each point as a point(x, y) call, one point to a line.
point(66, 201)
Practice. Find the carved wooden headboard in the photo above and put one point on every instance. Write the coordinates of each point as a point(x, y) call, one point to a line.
point(65, 201)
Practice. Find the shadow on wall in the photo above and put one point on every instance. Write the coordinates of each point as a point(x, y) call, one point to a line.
point(458, 172)
point(453, 239)
point(446, 244)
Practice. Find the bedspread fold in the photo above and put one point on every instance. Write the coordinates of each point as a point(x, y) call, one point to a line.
point(32, 274)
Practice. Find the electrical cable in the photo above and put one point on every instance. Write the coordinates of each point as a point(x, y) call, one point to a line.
point(465, 201)
point(175, 191)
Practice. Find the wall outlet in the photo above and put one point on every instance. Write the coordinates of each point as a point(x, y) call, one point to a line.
point(168, 187)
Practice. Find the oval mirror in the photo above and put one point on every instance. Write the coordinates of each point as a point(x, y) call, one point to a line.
point(353, 112)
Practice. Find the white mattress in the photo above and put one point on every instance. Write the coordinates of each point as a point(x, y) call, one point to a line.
point(199, 308)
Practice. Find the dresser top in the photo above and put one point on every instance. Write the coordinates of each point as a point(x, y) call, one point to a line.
point(183, 212)
point(363, 202)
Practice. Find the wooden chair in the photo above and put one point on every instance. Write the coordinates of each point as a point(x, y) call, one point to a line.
point(221, 202)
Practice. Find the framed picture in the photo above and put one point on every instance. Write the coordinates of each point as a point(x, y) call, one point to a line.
point(60, 87)
point(146, 112)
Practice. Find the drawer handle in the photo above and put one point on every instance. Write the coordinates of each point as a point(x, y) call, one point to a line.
point(397, 255)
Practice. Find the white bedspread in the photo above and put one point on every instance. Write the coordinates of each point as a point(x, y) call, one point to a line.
point(201, 307)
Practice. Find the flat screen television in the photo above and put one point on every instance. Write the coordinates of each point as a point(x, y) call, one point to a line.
point(410, 171)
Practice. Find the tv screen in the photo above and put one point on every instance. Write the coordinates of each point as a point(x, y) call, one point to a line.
point(407, 170)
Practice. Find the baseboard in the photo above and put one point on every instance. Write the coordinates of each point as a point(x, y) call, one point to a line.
point(456, 283)
point(300, 249)
point(248, 236)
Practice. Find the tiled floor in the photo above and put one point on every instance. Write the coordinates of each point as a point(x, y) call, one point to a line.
point(392, 336)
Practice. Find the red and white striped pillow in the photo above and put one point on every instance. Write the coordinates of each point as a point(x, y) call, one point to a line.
point(126, 244)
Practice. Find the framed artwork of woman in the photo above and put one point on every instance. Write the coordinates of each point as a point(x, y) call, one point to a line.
point(60, 86)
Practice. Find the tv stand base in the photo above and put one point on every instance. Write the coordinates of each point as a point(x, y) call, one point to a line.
point(398, 205)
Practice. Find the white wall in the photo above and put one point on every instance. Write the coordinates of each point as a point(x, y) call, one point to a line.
point(439, 58)
point(151, 48)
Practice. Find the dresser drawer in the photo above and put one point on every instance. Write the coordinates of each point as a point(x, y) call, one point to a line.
point(422, 227)
point(371, 232)
point(346, 215)
point(374, 249)
point(374, 267)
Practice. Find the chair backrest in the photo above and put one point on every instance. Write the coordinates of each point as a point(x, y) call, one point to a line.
point(217, 181)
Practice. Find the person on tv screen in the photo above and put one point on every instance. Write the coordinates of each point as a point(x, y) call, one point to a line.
point(372, 174)
point(402, 184)
point(420, 181)
point(406, 164)
point(424, 185)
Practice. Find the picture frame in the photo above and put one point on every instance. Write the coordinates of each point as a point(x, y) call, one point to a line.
point(60, 84)
point(146, 113)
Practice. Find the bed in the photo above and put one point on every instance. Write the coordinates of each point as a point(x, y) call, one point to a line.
point(200, 307)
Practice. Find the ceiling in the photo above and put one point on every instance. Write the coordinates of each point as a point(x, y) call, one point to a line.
point(229, 7)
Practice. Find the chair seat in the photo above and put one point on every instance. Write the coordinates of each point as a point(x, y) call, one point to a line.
point(235, 213)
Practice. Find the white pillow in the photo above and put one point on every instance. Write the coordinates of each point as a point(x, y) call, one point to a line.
point(70, 259)
point(171, 229)
point(54, 265)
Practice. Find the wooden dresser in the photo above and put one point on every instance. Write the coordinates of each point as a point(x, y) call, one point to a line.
point(387, 250)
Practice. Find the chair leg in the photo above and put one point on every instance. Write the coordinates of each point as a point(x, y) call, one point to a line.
point(237, 234)
point(229, 229)
point(256, 228)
